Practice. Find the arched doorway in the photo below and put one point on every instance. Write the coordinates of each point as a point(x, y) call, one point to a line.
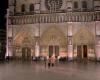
point(53, 41)
point(27, 48)
point(83, 44)
point(24, 43)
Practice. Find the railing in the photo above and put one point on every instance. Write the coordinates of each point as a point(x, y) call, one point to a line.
point(55, 18)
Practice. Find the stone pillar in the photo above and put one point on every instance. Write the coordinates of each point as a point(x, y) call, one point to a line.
point(70, 52)
point(97, 52)
point(7, 33)
point(37, 50)
point(70, 45)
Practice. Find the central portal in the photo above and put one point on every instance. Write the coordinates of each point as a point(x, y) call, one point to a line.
point(53, 50)
point(82, 52)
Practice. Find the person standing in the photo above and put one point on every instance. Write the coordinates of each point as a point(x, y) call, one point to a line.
point(49, 62)
point(53, 60)
point(45, 61)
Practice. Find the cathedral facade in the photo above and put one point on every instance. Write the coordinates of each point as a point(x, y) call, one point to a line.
point(65, 28)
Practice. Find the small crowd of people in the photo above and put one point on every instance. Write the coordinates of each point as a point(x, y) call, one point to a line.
point(50, 62)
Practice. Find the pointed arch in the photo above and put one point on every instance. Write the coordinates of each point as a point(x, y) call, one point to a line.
point(53, 36)
point(24, 38)
point(83, 36)
point(53, 41)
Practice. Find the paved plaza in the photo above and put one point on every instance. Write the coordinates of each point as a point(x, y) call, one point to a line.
point(38, 71)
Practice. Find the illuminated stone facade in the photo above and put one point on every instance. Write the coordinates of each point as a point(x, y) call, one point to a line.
point(66, 28)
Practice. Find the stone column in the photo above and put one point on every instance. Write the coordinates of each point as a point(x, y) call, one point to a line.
point(70, 52)
point(97, 52)
point(37, 50)
point(70, 45)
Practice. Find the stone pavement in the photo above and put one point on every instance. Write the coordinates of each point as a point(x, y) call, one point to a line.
point(38, 71)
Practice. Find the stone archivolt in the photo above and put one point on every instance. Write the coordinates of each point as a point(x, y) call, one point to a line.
point(83, 36)
point(24, 38)
point(53, 36)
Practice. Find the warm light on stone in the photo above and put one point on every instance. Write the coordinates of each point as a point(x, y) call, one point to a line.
point(53, 27)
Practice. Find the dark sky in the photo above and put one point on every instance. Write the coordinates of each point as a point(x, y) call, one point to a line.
point(3, 7)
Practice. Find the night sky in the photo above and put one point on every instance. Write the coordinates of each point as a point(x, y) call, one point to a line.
point(3, 7)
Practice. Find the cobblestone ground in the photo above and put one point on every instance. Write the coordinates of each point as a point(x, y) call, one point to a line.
point(38, 71)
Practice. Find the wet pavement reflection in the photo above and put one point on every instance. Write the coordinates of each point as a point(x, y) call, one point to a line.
point(38, 71)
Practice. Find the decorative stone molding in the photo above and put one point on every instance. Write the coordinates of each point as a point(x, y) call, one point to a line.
point(55, 18)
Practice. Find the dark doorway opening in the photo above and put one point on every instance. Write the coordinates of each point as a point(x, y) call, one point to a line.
point(54, 50)
point(85, 51)
point(26, 53)
point(82, 52)
point(50, 51)
point(79, 52)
